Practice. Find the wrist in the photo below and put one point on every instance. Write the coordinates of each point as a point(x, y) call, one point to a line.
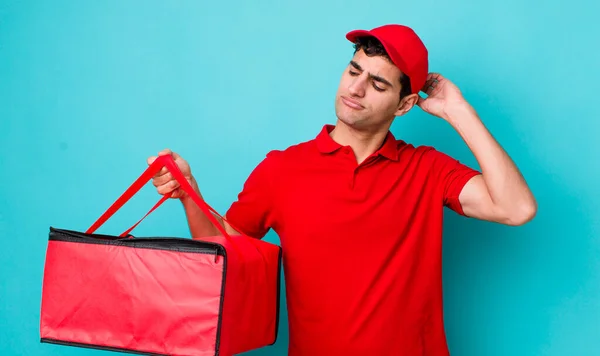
point(185, 197)
point(459, 113)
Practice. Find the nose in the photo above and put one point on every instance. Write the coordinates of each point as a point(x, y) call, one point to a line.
point(357, 86)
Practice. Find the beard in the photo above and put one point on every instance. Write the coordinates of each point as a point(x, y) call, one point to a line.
point(361, 120)
point(351, 117)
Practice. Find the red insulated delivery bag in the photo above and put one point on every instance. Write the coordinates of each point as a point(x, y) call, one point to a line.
point(217, 295)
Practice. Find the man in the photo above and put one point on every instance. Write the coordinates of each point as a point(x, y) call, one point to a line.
point(359, 213)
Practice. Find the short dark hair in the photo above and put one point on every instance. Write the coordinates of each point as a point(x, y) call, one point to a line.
point(373, 47)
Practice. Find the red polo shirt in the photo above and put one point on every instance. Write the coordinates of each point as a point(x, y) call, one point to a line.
point(361, 244)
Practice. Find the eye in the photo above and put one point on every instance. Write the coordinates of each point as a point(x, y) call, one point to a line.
point(377, 88)
point(352, 73)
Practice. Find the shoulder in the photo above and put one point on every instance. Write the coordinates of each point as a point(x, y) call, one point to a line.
point(427, 160)
point(291, 154)
point(421, 155)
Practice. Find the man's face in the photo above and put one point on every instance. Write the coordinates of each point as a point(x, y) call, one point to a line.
point(368, 96)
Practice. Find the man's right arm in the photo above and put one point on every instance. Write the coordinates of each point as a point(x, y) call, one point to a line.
point(253, 212)
point(199, 224)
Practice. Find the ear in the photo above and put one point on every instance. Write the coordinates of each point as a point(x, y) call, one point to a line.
point(406, 104)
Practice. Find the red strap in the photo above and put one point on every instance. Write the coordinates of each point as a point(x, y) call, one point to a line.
point(155, 167)
point(162, 200)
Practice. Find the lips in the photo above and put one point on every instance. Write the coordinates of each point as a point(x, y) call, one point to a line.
point(352, 103)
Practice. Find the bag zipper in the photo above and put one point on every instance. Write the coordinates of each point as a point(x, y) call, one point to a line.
point(159, 243)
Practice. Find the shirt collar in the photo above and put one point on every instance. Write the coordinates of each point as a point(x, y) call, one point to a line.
point(326, 144)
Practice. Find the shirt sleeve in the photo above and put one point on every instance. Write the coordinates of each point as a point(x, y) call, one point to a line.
point(252, 213)
point(452, 175)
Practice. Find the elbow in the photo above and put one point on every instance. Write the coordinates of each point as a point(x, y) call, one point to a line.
point(522, 214)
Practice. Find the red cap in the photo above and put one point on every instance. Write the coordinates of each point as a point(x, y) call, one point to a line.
point(405, 48)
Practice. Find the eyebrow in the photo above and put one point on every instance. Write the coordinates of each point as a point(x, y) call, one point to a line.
point(372, 76)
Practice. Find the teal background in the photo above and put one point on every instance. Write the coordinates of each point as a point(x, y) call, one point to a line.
point(89, 90)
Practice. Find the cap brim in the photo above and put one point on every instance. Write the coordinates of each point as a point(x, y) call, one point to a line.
point(353, 35)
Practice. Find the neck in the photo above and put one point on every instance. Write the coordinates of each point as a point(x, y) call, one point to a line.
point(364, 143)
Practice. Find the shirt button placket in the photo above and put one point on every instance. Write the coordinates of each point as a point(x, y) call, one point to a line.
point(353, 178)
point(347, 152)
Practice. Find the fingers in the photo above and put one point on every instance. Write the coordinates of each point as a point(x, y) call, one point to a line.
point(433, 80)
point(162, 171)
point(431, 86)
point(165, 152)
point(420, 101)
point(435, 76)
point(161, 179)
point(177, 193)
point(428, 87)
point(165, 184)
point(168, 187)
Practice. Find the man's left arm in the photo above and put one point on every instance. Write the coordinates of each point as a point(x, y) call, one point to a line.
point(500, 193)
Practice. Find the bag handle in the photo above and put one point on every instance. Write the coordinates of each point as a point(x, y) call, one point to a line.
point(160, 162)
point(162, 200)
